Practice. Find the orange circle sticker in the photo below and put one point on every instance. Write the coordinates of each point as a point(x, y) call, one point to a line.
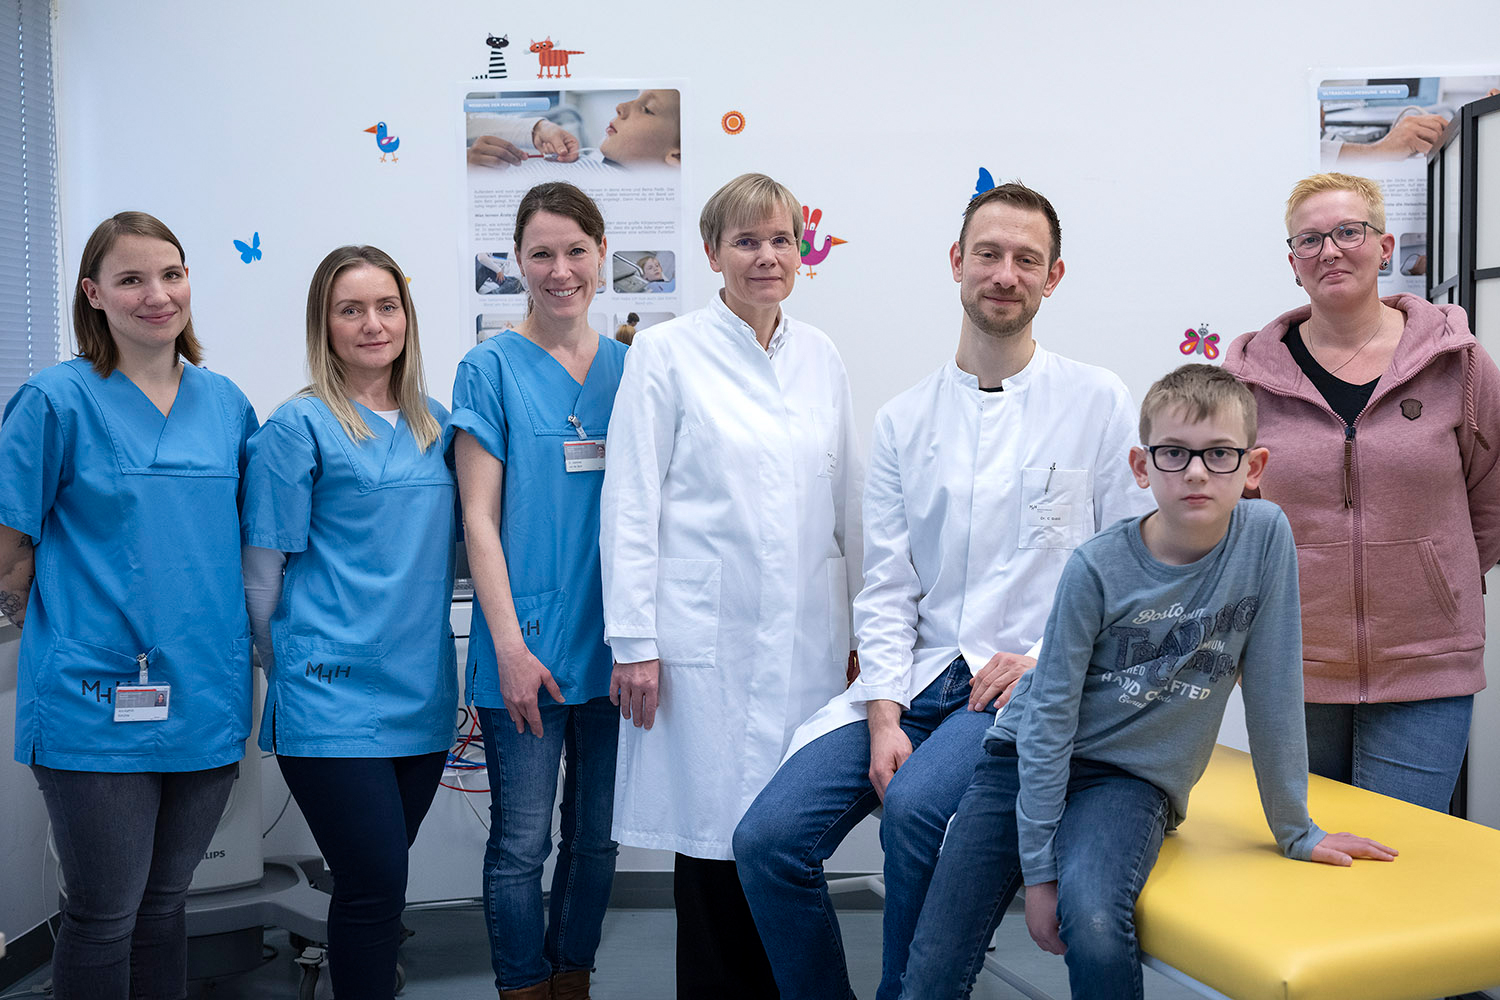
point(733, 122)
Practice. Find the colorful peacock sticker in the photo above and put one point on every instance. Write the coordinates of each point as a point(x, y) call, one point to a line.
point(812, 254)
point(733, 122)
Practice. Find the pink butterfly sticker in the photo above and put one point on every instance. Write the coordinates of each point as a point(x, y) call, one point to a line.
point(1200, 341)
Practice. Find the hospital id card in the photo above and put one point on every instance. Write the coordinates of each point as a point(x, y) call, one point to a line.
point(584, 456)
point(1048, 515)
point(142, 702)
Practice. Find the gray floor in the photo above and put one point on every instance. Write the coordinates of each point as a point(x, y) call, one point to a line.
point(448, 958)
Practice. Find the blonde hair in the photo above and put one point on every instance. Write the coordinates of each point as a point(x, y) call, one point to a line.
point(95, 342)
point(1321, 183)
point(746, 200)
point(326, 370)
point(1202, 391)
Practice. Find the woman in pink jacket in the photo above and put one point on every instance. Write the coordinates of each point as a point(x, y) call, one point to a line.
point(1383, 421)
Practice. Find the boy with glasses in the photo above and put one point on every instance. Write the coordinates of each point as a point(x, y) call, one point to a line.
point(1094, 757)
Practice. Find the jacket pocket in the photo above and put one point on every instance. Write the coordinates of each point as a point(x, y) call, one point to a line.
point(687, 612)
point(1057, 511)
point(1324, 574)
point(325, 689)
point(1410, 609)
point(544, 629)
point(75, 701)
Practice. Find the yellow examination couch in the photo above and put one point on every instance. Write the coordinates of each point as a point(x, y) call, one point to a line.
point(1226, 915)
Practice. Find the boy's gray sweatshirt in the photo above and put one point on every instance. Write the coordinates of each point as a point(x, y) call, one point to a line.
point(1136, 667)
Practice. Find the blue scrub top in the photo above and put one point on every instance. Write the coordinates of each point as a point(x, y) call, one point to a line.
point(135, 519)
point(365, 664)
point(515, 399)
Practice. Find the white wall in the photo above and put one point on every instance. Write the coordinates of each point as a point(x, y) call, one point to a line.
point(1166, 133)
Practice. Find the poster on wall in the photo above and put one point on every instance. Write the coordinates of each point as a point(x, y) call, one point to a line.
point(1381, 126)
point(621, 143)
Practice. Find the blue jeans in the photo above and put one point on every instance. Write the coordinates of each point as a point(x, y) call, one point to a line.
point(364, 812)
point(1409, 750)
point(1106, 845)
point(128, 844)
point(523, 786)
point(810, 806)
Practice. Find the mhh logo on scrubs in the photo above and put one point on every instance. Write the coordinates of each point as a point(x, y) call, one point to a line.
point(326, 673)
point(103, 691)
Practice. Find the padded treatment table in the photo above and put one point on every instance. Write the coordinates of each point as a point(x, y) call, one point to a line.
point(1227, 915)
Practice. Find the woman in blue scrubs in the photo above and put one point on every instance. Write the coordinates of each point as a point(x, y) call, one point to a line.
point(348, 485)
point(119, 483)
point(531, 409)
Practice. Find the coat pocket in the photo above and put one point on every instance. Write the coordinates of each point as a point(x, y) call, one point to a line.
point(325, 689)
point(1057, 511)
point(75, 697)
point(1410, 609)
point(687, 612)
point(1325, 572)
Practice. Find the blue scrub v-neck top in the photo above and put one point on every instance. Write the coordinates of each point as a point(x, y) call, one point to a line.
point(515, 399)
point(364, 654)
point(135, 519)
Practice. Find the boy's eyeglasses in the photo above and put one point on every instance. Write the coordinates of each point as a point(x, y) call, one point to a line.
point(1175, 458)
point(1345, 237)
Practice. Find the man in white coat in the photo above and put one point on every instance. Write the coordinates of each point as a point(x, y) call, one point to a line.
point(983, 478)
point(729, 534)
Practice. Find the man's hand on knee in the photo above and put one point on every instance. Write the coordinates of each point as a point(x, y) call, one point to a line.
point(889, 744)
point(996, 681)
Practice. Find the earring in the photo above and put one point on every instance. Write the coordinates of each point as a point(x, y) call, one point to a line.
point(1385, 263)
point(1298, 281)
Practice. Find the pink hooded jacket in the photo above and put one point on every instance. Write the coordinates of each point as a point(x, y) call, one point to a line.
point(1397, 517)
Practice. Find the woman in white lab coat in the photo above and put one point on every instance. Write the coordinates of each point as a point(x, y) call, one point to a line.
point(730, 545)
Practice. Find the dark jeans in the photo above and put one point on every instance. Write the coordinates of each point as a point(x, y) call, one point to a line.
point(1106, 846)
point(1409, 750)
point(364, 813)
point(719, 954)
point(128, 844)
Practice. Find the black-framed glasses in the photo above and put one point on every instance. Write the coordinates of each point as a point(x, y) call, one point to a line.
point(1345, 236)
point(1175, 458)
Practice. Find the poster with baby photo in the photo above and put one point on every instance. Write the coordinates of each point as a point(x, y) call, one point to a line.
point(620, 143)
point(1380, 124)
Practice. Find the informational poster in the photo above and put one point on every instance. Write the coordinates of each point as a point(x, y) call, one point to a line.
point(619, 143)
point(1381, 126)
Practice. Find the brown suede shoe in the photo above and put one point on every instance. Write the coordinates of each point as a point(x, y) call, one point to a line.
point(541, 991)
point(570, 985)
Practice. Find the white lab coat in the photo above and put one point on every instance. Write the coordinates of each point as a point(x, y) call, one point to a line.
point(730, 542)
point(973, 504)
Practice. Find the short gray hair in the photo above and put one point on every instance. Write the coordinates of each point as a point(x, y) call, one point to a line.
point(747, 199)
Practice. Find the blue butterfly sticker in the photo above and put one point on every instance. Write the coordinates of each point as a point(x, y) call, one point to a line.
point(986, 183)
point(249, 251)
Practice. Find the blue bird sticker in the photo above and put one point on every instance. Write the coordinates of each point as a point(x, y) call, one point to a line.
point(985, 183)
point(249, 251)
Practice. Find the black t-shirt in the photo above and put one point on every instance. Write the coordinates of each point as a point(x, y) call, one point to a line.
point(1346, 398)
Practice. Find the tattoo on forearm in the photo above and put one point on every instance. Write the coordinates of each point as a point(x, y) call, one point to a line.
point(11, 604)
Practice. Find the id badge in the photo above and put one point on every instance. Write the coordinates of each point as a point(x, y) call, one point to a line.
point(1048, 515)
point(142, 702)
point(584, 456)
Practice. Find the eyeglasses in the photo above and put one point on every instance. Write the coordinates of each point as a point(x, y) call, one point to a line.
point(1346, 236)
point(1175, 458)
point(751, 244)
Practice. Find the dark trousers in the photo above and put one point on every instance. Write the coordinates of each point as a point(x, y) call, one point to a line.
point(364, 813)
point(719, 954)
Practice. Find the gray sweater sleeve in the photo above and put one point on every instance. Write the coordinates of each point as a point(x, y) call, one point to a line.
point(1050, 720)
point(1271, 677)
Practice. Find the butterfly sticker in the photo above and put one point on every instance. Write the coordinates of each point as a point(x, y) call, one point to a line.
point(1200, 341)
point(249, 251)
point(985, 183)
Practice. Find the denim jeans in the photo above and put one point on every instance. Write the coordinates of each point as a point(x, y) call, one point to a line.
point(810, 806)
point(523, 786)
point(1106, 843)
point(364, 812)
point(1409, 750)
point(128, 844)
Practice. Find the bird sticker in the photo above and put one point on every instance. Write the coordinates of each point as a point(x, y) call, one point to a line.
point(811, 253)
point(549, 57)
point(1200, 341)
point(249, 251)
point(985, 183)
point(388, 143)
point(496, 45)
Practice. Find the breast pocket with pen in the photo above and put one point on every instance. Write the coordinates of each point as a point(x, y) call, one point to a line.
point(1057, 509)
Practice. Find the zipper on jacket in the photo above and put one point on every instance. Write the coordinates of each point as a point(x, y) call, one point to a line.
point(1358, 543)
